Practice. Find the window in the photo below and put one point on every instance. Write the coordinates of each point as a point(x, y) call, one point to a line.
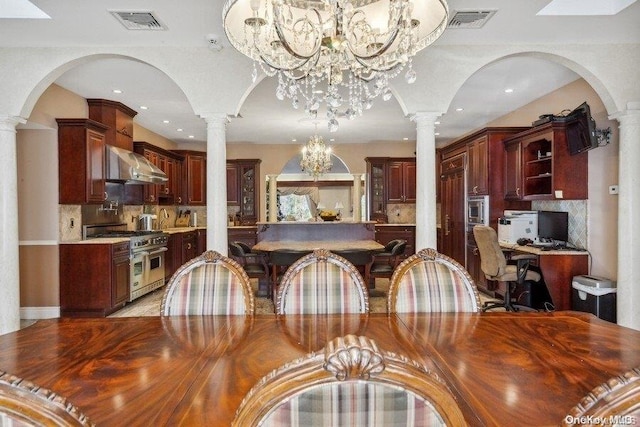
point(295, 207)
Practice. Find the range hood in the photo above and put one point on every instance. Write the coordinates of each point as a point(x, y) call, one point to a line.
point(131, 168)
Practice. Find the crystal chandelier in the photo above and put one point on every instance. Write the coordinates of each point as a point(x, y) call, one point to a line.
point(316, 157)
point(340, 53)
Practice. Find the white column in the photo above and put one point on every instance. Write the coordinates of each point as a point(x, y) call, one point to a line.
point(357, 195)
point(273, 201)
point(9, 249)
point(628, 298)
point(217, 183)
point(426, 233)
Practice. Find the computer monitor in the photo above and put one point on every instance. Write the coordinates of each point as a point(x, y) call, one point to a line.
point(553, 225)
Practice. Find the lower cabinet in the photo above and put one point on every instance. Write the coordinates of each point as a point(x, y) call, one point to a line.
point(245, 234)
point(94, 278)
point(183, 247)
point(386, 233)
point(474, 268)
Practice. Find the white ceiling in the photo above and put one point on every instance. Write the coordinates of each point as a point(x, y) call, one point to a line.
point(264, 118)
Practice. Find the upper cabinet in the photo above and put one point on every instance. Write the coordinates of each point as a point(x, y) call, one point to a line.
point(81, 161)
point(243, 187)
point(119, 119)
point(401, 181)
point(478, 163)
point(194, 175)
point(376, 173)
point(170, 163)
point(538, 166)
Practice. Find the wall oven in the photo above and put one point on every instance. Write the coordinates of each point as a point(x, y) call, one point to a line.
point(477, 211)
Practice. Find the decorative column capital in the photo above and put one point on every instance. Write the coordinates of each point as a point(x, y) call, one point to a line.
point(215, 119)
point(425, 119)
point(9, 123)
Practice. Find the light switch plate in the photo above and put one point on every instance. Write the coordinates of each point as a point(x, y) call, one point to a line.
point(613, 189)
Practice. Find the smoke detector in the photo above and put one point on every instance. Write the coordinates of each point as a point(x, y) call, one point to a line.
point(467, 19)
point(138, 20)
point(214, 42)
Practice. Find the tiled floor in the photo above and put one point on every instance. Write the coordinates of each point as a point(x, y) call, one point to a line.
point(149, 305)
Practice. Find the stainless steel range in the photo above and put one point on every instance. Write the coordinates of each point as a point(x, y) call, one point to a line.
point(147, 255)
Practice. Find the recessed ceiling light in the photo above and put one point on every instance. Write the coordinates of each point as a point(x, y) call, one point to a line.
point(405, 139)
point(144, 107)
point(459, 109)
point(294, 140)
point(165, 121)
point(117, 91)
point(191, 136)
point(436, 123)
point(437, 134)
point(179, 130)
point(508, 91)
point(332, 140)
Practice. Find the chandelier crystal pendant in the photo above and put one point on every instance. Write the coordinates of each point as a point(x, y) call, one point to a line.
point(337, 53)
point(316, 157)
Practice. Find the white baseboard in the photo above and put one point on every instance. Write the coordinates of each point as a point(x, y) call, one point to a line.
point(36, 313)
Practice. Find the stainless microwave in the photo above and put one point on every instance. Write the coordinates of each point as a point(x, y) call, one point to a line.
point(477, 210)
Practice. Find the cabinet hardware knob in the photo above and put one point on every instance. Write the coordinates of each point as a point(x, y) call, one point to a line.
point(106, 195)
point(518, 191)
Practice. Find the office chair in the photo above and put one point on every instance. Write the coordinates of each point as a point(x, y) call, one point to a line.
point(494, 266)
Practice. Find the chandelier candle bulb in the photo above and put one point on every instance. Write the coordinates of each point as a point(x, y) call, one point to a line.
point(352, 46)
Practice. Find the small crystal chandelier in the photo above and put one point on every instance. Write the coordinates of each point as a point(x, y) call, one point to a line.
point(316, 157)
point(355, 46)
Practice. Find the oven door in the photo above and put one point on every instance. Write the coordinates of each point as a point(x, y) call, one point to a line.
point(147, 272)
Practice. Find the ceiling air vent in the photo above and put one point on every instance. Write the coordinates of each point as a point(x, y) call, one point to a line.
point(139, 20)
point(470, 18)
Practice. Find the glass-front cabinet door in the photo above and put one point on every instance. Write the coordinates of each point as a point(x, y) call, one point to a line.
point(377, 189)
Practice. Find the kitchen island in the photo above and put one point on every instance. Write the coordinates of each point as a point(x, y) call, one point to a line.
point(315, 231)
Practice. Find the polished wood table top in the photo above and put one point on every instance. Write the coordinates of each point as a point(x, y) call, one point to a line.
point(331, 245)
point(503, 368)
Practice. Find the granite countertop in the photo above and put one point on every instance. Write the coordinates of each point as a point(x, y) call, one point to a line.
point(541, 251)
point(99, 240)
point(395, 225)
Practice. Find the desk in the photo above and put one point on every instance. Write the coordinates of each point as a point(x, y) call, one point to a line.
point(558, 269)
point(503, 368)
point(333, 245)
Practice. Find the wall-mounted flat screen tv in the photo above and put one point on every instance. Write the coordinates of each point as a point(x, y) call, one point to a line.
point(581, 130)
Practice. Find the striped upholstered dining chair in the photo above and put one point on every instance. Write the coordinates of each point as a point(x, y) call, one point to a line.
point(208, 284)
point(350, 383)
point(429, 281)
point(321, 283)
point(23, 403)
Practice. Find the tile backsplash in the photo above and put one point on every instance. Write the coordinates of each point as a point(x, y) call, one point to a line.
point(401, 213)
point(578, 214)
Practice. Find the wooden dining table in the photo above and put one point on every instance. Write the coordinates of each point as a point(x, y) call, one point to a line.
point(503, 369)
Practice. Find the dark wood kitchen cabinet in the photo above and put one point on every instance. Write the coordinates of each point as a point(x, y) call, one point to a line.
point(94, 278)
point(189, 246)
point(194, 177)
point(376, 173)
point(118, 117)
point(170, 163)
point(538, 166)
point(201, 240)
point(401, 181)
point(452, 199)
point(388, 232)
point(243, 188)
point(81, 161)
